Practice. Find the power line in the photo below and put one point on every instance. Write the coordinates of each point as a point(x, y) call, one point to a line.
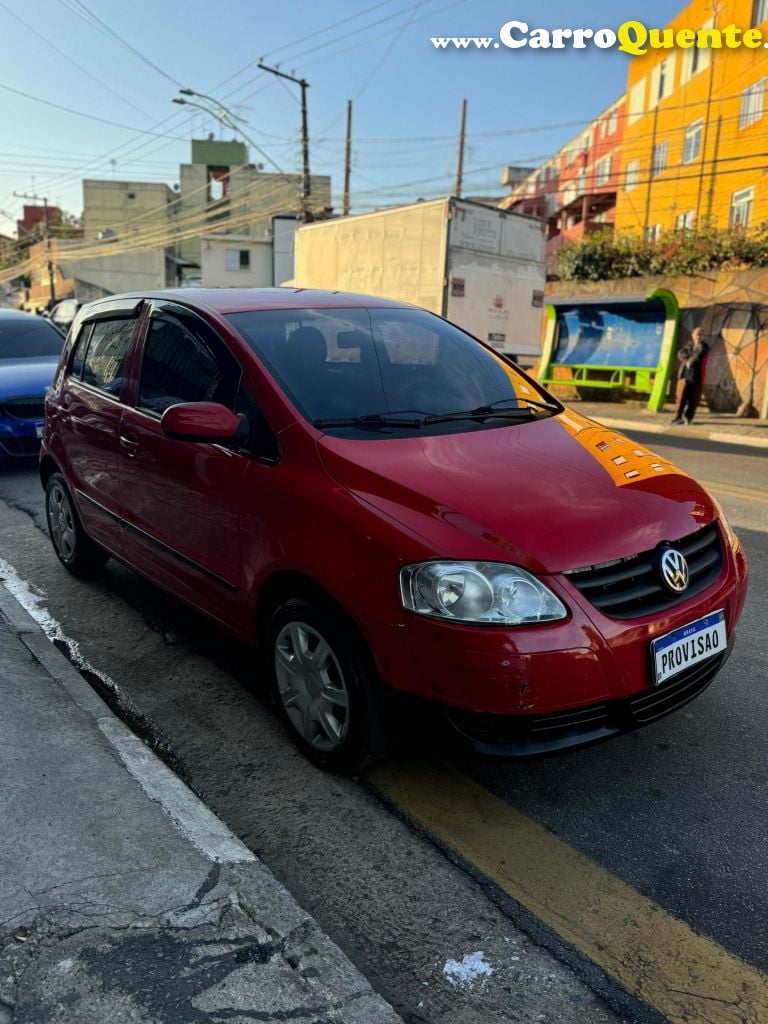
point(63, 179)
point(302, 39)
point(84, 12)
point(62, 53)
point(82, 113)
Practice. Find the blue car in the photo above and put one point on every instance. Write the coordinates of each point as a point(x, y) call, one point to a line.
point(30, 348)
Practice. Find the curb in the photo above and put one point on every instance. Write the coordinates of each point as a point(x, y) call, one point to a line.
point(718, 436)
point(191, 818)
point(189, 815)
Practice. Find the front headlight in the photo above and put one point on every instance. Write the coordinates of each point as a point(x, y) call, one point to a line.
point(489, 592)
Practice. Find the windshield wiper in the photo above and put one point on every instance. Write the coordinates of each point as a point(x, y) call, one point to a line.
point(496, 409)
point(375, 419)
point(400, 419)
point(552, 407)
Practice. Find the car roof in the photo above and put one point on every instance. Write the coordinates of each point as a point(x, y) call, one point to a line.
point(243, 300)
point(18, 314)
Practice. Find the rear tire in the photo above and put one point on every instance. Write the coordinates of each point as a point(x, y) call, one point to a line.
point(325, 686)
point(74, 548)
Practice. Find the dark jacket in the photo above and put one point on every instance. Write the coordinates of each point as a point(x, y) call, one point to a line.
point(693, 361)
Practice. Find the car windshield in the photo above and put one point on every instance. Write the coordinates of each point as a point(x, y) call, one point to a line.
point(28, 339)
point(388, 371)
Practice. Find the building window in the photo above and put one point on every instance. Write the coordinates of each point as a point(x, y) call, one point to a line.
point(696, 60)
point(662, 80)
point(659, 158)
point(741, 207)
point(684, 221)
point(692, 142)
point(759, 12)
point(603, 171)
point(632, 175)
point(636, 101)
point(752, 104)
point(653, 233)
point(613, 120)
point(238, 259)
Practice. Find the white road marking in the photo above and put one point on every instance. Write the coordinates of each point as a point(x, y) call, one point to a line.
point(188, 813)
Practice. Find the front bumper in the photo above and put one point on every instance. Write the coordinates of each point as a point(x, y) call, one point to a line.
point(555, 685)
point(522, 736)
point(18, 438)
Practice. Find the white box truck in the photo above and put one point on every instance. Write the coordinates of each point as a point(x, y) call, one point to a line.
point(476, 265)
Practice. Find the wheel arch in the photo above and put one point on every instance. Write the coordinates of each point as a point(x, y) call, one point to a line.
point(48, 466)
point(285, 584)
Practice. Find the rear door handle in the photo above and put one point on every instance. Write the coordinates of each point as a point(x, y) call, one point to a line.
point(130, 443)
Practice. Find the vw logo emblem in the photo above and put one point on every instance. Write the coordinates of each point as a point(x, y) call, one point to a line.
point(674, 570)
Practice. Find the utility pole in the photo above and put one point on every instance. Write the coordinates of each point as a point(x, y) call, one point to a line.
point(306, 187)
point(347, 160)
point(460, 158)
point(716, 11)
point(713, 170)
point(47, 239)
point(651, 175)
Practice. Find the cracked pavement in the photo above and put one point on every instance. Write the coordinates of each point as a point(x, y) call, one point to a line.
point(108, 909)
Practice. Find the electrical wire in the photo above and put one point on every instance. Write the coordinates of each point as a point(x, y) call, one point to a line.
point(79, 8)
point(62, 53)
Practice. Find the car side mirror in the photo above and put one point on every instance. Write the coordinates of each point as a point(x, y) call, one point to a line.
point(204, 422)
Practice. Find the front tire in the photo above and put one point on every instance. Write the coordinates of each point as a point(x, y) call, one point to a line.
point(74, 548)
point(325, 686)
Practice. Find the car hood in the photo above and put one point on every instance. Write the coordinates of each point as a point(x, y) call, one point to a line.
point(25, 377)
point(554, 494)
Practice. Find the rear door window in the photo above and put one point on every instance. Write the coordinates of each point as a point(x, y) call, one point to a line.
point(104, 357)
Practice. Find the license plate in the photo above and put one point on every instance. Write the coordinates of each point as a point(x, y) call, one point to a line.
point(688, 645)
point(39, 427)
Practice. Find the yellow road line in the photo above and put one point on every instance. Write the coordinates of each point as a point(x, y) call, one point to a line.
point(750, 493)
point(688, 977)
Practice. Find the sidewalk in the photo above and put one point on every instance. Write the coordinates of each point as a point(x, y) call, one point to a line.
point(722, 427)
point(122, 897)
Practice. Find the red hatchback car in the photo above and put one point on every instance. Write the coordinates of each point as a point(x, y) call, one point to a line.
point(383, 503)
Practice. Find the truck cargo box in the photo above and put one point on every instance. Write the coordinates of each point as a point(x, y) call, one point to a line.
point(479, 266)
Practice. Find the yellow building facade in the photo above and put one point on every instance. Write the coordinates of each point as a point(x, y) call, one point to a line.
point(695, 145)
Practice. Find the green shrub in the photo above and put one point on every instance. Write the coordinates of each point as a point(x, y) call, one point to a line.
point(605, 256)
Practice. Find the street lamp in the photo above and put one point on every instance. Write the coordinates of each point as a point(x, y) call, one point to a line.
point(227, 118)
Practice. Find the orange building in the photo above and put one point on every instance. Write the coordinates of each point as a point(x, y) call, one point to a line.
point(696, 132)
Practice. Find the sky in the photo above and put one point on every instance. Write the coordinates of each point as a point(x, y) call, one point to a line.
point(124, 63)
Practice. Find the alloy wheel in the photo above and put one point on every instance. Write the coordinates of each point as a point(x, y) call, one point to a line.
point(61, 521)
point(311, 686)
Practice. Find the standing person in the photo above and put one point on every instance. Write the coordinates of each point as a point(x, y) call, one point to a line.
point(690, 383)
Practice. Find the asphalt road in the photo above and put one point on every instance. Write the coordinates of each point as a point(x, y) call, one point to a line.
point(677, 810)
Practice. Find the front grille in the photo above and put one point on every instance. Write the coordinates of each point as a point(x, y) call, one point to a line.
point(20, 445)
point(24, 408)
point(633, 586)
point(649, 705)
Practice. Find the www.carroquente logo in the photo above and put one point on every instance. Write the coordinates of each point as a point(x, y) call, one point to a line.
point(631, 37)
